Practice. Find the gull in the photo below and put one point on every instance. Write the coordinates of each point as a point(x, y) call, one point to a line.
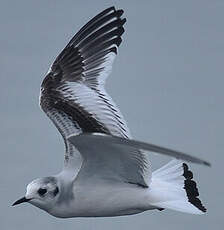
point(106, 172)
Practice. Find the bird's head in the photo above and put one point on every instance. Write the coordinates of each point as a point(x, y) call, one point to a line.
point(42, 193)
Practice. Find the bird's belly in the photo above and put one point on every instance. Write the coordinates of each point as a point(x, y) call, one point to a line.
point(104, 202)
point(96, 209)
point(107, 209)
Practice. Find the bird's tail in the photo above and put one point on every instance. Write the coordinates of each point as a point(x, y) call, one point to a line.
point(172, 187)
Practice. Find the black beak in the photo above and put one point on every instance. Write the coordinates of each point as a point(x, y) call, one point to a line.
point(22, 200)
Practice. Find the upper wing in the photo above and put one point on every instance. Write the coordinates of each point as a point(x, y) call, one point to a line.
point(107, 140)
point(120, 159)
point(72, 93)
point(104, 159)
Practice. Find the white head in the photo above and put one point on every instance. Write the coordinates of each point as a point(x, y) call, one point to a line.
point(42, 193)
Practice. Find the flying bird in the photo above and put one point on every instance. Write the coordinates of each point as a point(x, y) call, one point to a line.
point(106, 172)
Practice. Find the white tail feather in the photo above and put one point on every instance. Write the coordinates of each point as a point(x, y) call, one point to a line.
point(172, 187)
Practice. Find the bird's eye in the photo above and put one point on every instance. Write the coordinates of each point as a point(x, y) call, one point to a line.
point(42, 191)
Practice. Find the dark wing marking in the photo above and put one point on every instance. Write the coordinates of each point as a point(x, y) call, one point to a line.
point(72, 93)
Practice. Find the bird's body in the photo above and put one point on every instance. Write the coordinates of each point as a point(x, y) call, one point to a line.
point(102, 199)
point(105, 173)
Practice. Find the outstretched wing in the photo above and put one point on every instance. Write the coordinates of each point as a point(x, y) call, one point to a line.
point(110, 157)
point(107, 140)
point(73, 94)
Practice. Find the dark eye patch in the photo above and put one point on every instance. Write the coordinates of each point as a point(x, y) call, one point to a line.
point(42, 191)
point(56, 191)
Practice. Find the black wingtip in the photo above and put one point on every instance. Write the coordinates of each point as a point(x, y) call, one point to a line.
point(112, 8)
point(107, 10)
point(120, 12)
point(124, 20)
point(207, 163)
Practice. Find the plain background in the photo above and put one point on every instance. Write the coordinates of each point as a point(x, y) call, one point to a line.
point(167, 80)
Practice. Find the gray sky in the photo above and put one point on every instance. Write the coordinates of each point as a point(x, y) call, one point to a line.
point(167, 80)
